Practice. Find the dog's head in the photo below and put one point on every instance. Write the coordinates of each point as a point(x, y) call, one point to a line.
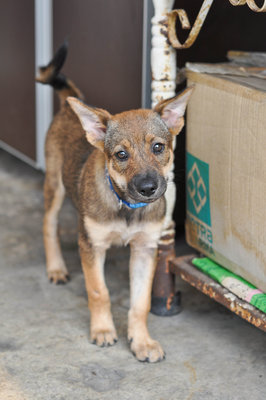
point(138, 144)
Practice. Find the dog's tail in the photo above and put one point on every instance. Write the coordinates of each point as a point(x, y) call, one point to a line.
point(51, 75)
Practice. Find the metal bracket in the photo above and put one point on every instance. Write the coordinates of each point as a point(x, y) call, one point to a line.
point(251, 3)
point(183, 18)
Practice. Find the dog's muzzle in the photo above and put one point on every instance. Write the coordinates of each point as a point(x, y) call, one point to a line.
point(147, 187)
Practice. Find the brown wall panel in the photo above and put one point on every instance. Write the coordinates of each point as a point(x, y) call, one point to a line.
point(105, 49)
point(17, 101)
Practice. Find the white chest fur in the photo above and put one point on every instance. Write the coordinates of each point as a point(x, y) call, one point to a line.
point(104, 235)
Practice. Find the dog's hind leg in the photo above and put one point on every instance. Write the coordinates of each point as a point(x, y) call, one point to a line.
point(54, 193)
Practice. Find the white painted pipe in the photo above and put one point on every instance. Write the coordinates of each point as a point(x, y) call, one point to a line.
point(44, 94)
point(163, 66)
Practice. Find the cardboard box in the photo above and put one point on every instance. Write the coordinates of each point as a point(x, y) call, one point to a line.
point(226, 173)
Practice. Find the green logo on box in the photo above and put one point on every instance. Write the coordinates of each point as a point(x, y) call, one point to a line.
point(198, 195)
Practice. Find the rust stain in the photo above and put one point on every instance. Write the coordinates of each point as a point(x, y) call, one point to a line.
point(245, 314)
point(248, 244)
point(192, 378)
point(169, 301)
point(163, 284)
point(164, 22)
point(165, 34)
point(165, 79)
point(192, 371)
point(166, 70)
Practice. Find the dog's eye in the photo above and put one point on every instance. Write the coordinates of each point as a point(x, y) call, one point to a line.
point(158, 148)
point(121, 155)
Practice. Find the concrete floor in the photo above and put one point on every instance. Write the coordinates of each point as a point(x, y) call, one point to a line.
point(45, 351)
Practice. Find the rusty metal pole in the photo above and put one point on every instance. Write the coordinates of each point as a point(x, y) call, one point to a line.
point(163, 66)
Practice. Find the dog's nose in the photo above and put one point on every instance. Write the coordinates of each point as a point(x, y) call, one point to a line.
point(146, 186)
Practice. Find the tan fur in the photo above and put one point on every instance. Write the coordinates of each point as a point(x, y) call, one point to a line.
point(56, 268)
point(77, 163)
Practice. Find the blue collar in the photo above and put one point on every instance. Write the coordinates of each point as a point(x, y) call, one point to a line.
point(121, 201)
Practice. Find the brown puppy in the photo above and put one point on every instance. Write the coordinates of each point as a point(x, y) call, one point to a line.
point(116, 174)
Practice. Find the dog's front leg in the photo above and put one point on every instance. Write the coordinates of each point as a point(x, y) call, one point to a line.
point(102, 329)
point(142, 267)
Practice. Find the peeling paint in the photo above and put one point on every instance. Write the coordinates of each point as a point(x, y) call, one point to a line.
point(230, 296)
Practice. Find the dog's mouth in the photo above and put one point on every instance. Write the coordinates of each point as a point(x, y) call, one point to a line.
point(136, 200)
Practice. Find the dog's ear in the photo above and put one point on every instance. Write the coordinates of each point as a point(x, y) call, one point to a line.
point(172, 110)
point(93, 121)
